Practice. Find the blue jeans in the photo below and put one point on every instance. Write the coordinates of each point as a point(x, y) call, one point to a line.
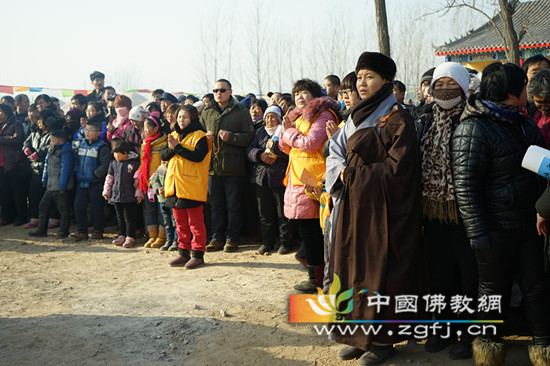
point(92, 195)
point(225, 195)
point(152, 216)
point(169, 222)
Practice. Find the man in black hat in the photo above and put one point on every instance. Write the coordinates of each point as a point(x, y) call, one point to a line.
point(166, 100)
point(426, 100)
point(98, 81)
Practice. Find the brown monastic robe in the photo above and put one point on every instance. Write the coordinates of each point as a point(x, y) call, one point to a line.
point(378, 243)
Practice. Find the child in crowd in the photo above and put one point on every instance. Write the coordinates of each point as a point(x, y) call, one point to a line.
point(73, 121)
point(57, 178)
point(122, 105)
point(167, 216)
point(119, 190)
point(186, 185)
point(94, 112)
point(268, 171)
point(35, 148)
point(134, 131)
point(94, 157)
point(155, 142)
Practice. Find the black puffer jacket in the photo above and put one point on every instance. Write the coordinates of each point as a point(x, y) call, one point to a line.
point(493, 191)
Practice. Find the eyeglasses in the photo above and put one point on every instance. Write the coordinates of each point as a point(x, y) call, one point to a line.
point(346, 93)
point(90, 130)
point(219, 91)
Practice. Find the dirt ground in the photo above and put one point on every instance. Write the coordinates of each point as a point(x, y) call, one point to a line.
point(67, 303)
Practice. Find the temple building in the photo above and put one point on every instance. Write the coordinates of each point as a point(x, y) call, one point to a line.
point(484, 45)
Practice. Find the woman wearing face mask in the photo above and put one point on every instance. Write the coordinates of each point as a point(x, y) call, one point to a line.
point(450, 260)
point(123, 104)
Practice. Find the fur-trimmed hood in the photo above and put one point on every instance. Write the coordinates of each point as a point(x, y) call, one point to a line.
point(313, 108)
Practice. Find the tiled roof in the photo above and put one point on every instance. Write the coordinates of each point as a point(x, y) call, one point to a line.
point(534, 16)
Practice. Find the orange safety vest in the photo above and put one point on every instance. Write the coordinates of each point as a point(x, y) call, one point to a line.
point(314, 162)
point(187, 179)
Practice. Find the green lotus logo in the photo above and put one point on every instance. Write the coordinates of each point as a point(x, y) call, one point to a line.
point(331, 304)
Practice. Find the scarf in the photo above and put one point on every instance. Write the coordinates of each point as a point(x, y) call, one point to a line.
point(364, 108)
point(438, 196)
point(122, 115)
point(145, 161)
point(271, 130)
point(512, 113)
point(543, 123)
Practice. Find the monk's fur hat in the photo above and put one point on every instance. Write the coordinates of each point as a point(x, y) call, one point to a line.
point(377, 62)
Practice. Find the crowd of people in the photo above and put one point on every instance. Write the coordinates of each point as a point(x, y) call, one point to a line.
point(400, 199)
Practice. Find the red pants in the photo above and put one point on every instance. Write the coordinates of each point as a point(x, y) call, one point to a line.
point(190, 228)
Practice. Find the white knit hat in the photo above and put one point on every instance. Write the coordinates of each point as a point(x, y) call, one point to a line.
point(138, 114)
point(455, 71)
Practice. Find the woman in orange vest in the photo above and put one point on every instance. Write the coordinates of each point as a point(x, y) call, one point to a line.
point(186, 185)
point(303, 137)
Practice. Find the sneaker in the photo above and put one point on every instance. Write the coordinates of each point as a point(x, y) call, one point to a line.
point(349, 353)
point(283, 250)
point(129, 242)
point(52, 225)
point(119, 240)
point(97, 235)
point(377, 355)
point(61, 235)
point(230, 246)
point(79, 236)
point(214, 245)
point(179, 261)
point(264, 249)
point(37, 233)
point(31, 225)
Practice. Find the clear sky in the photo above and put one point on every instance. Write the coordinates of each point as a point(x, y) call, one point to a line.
point(161, 44)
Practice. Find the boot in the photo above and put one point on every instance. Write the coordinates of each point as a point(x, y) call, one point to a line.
point(488, 353)
point(153, 233)
point(161, 238)
point(310, 285)
point(167, 245)
point(181, 259)
point(539, 355)
point(196, 259)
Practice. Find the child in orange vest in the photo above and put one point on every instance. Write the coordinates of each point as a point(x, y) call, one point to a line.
point(186, 185)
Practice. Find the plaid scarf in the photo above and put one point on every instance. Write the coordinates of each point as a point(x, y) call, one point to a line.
point(438, 196)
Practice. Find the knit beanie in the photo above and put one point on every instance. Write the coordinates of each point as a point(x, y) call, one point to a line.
point(377, 62)
point(274, 109)
point(455, 71)
point(427, 76)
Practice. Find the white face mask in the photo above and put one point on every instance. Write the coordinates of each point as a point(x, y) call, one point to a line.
point(448, 104)
point(271, 130)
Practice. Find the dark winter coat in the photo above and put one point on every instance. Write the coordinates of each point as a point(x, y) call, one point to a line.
point(40, 143)
point(260, 170)
point(93, 161)
point(228, 158)
point(11, 143)
point(122, 189)
point(493, 191)
point(59, 168)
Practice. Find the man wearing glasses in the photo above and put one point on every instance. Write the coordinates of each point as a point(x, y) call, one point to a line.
point(229, 127)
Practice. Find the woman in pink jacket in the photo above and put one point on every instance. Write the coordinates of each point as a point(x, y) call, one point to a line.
point(123, 104)
point(303, 137)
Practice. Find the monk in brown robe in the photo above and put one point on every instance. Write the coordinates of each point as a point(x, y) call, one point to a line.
point(373, 174)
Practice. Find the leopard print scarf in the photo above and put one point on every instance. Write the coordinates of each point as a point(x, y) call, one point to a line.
point(438, 196)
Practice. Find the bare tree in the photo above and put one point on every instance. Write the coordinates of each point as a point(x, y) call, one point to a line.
point(256, 47)
point(506, 9)
point(382, 26)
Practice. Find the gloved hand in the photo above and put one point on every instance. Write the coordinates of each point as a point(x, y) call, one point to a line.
point(483, 242)
point(34, 156)
point(27, 151)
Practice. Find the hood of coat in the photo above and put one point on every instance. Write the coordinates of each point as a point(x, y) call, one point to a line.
point(133, 156)
point(314, 107)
